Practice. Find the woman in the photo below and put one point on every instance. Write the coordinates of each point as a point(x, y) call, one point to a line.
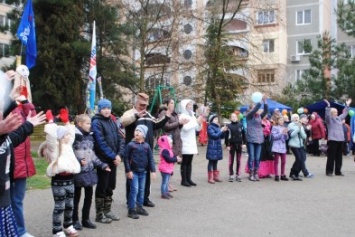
point(335, 138)
point(202, 136)
point(266, 158)
point(317, 132)
point(189, 144)
point(255, 137)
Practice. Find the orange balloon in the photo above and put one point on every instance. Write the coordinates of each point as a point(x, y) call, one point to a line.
point(237, 112)
point(305, 110)
point(284, 111)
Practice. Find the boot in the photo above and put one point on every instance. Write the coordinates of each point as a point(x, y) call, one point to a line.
point(210, 177)
point(283, 178)
point(251, 175)
point(188, 176)
point(256, 175)
point(100, 216)
point(132, 213)
point(183, 177)
point(88, 224)
point(216, 176)
point(107, 209)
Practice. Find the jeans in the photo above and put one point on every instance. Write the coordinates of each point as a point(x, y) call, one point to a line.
point(254, 150)
point(136, 193)
point(165, 182)
point(18, 190)
point(300, 162)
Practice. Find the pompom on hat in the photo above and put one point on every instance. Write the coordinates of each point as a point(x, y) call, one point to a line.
point(104, 103)
point(61, 132)
point(143, 129)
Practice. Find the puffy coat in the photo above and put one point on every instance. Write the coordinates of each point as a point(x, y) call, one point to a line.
point(214, 145)
point(24, 166)
point(297, 135)
point(188, 130)
point(317, 128)
point(254, 128)
point(167, 157)
point(138, 157)
point(278, 139)
point(173, 127)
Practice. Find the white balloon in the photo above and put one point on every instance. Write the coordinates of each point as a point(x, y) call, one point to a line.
point(256, 97)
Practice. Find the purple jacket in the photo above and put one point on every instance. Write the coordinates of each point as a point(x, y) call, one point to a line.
point(278, 139)
point(335, 125)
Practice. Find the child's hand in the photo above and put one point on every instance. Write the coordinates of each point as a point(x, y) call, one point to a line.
point(129, 175)
point(153, 175)
point(83, 162)
point(108, 169)
point(39, 119)
point(179, 159)
point(117, 161)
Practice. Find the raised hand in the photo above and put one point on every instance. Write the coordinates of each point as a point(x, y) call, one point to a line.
point(36, 120)
point(327, 102)
point(10, 123)
point(348, 102)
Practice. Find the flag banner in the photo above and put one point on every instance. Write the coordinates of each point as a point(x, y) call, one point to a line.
point(26, 32)
point(93, 69)
point(99, 81)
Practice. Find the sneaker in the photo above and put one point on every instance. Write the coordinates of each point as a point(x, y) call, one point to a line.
point(59, 234)
point(132, 213)
point(309, 175)
point(70, 231)
point(231, 179)
point(26, 235)
point(295, 178)
point(112, 216)
point(142, 211)
point(149, 204)
point(238, 179)
point(77, 225)
point(165, 196)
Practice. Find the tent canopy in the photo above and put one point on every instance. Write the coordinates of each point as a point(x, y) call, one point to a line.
point(319, 107)
point(272, 106)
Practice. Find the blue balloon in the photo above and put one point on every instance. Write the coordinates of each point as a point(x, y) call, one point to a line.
point(300, 111)
point(256, 97)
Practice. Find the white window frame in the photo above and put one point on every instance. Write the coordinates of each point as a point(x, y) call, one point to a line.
point(266, 15)
point(304, 17)
point(298, 42)
point(268, 44)
point(298, 74)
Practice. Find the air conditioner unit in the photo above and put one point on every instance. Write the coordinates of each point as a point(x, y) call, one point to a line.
point(295, 58)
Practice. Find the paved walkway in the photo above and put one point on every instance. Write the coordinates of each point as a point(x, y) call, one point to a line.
point(322, 206)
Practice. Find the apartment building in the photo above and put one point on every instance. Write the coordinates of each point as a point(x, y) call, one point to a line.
point(5, 38)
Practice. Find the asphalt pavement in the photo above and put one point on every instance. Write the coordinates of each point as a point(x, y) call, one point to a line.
point(320, 206)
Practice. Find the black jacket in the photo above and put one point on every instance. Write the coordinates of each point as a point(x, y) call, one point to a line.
point(138, 157)
point(235, 134)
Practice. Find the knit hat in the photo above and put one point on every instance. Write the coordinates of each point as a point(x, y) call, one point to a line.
point(143, 129)
point(61, 132)
point(211, 117)
point(303, 116)
point(104, 103)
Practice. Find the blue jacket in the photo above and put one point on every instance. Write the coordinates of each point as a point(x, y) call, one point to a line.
point(214, 145)
point(108, 141)
point(138, 157)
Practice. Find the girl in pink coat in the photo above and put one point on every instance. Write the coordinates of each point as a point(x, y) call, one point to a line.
point(166, 165)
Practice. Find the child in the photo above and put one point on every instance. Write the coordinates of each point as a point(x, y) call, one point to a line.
point(166, 165)
point(234, 138)
point(279, 136)
point(62, 168)
point(84, 151)
point(214, 148)
point(138, 156)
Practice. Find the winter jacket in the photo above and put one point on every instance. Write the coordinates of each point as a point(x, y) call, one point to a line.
point(173, 127)
point(24, 165)
point(84, 149)
point(335, 125)
point(167, 157)
point(297, 135)
point(130, 121)
point(254, 128)
point(138, 157)
point(214, 145)
point(188, 130)
point(317, 128)
point(108, 141)
point(266, 125)
point(235, 134)
point(7, 144)
point(62, 158)
point(278, 139)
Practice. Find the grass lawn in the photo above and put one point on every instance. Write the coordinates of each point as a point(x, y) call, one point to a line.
point(40, 180)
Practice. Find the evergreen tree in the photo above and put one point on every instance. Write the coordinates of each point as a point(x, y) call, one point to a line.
point(346, 17)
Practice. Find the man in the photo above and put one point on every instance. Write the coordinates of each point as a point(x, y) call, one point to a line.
point(136, 116)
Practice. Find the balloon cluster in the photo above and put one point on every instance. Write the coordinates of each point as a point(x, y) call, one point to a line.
point(239, 114)
point(302, 110)
point(284, 112)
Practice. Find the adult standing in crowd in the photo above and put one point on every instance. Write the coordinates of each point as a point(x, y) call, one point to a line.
point(317, 132)
point(130, 120)
point(255, 137)
point(203, 115)
point(189, 144)
point(335, 138)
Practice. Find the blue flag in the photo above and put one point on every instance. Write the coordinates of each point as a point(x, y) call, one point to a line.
point(27, 34)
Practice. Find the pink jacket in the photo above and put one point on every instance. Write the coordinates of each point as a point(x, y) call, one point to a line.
point(167, 158)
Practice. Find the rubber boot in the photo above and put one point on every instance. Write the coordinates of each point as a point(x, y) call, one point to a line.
point(107, 209)
point(188, 175)
point(216, 176)
point(256, 175)
point(251, 175)
point(210, 177)
point(184, 177)
point(100, 216)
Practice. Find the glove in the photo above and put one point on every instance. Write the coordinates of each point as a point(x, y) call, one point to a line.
point(49, 115)
point(64, 115)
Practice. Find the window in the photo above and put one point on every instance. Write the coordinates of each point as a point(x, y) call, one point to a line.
point(299, 74)
point(268, 46)
point(158, 34)
point(266, 76)
point(4, 21)
point(302, 46)
point(352, 51)
point(348, 1)
point(266, 17)
point(304, 17)
point(156, 58)
point(4, 50)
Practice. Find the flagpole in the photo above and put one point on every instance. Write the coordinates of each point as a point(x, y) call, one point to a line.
point(92, 73)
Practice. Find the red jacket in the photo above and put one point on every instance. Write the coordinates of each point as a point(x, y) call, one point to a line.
point(24, 165)
point(318, 129)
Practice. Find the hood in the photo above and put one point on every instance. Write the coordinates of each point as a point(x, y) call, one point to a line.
point(183, 105)
point(163, 143)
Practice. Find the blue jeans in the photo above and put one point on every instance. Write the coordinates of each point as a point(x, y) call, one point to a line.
point(254, 150)
point(165, 182)
point(18, 190)
point(136, 193)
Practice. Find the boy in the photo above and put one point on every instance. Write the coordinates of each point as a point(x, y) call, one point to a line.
point(138, 156)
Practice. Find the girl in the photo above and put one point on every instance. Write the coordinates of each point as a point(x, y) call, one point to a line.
point(84, 151)
point(214, 148)
point(166, 165)
point(279, 137)
point(62, 168)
